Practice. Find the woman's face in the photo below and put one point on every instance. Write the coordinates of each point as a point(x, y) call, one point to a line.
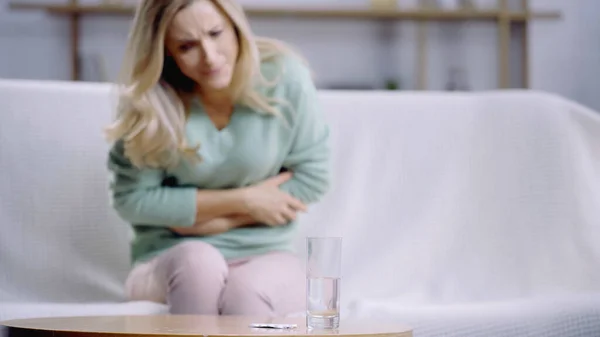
point(203, 43)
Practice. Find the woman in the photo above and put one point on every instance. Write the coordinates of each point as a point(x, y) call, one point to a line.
point(208, 120)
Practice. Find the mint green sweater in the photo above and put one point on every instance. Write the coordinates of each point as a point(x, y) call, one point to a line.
point(250, 149)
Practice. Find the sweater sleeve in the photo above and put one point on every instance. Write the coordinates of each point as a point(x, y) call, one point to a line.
point(308, 158)
point(139, 197)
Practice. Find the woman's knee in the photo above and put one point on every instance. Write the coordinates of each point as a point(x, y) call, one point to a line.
point(194, 275)
point(188, 264)
point(142, 284)
point(245, 298)
point(194, 259)
point(271, 285)
point(249, 298)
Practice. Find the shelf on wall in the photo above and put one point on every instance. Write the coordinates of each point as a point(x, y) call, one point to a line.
point(405, 14)
point(503, 17)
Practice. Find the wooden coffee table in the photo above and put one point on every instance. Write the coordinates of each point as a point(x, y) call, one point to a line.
point(205, 326)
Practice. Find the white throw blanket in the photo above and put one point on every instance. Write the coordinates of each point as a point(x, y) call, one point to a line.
point(573, 316)
point(472, 215)
point(463, 198)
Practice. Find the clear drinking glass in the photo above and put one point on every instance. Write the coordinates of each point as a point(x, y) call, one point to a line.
point(323, 275)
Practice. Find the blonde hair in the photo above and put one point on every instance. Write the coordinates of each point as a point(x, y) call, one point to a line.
point(154, 94)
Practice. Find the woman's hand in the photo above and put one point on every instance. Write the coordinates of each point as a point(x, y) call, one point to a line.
point(267, 204)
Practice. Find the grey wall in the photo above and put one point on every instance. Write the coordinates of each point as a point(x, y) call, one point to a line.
point(565, 54)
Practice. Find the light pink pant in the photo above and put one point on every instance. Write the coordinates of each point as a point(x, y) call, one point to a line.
point(194, 278)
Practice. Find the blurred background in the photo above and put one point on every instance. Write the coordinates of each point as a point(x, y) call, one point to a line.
point(352, 44)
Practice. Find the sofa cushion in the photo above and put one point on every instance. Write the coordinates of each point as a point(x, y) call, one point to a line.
point(59, 239)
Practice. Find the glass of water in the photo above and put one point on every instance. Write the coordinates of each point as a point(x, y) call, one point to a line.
point(323, 275)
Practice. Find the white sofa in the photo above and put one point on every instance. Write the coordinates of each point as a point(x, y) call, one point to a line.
point(473, 214)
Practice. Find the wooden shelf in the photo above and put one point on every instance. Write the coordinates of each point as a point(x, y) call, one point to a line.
point(502, 17)
point(418, 14)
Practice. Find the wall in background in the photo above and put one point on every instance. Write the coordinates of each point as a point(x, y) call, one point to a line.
point(587, 87)
point(565, 54)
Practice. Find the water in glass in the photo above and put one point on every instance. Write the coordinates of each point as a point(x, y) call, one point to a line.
point(323, 302)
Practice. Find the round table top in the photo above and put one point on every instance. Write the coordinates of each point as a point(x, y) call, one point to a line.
point(180, 325)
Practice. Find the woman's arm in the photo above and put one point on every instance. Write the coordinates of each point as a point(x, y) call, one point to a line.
point(219, 203)
point(139, 197)
point(215, 226)
point(265, 204)
point(310, 152)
